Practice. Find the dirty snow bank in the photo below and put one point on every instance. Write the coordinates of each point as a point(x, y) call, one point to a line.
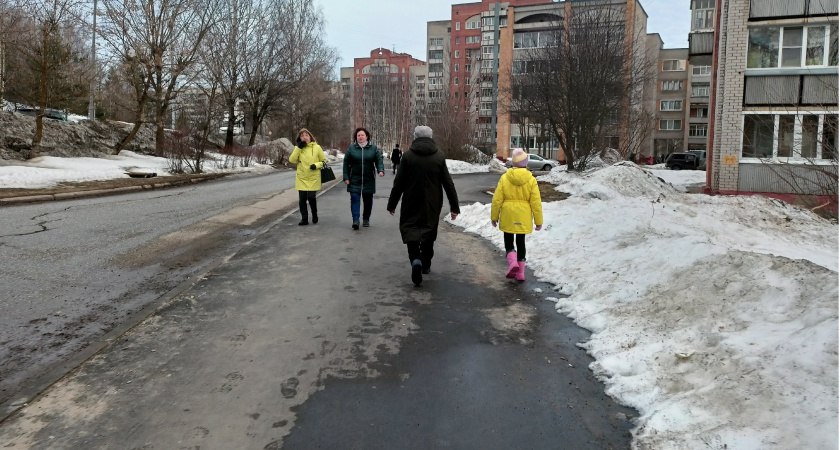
point(715, 317)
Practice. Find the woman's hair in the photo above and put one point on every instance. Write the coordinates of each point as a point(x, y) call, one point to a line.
point(304, 130)
point(356, 133)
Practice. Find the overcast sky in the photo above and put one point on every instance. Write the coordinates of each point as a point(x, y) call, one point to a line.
point(356, 28)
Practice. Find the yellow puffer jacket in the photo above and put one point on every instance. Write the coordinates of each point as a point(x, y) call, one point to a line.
point(516, 202)
point(307, 179)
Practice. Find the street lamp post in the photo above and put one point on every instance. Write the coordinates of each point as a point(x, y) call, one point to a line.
point(91, 103)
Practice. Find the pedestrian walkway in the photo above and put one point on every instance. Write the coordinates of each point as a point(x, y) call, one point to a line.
point(315, 337)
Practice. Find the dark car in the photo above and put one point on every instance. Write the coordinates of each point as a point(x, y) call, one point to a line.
point(682, 161)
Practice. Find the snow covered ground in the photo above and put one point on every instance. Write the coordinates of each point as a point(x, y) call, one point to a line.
point(715, 317)
point(49, 171)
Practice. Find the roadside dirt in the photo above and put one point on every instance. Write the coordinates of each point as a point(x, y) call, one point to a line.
point(110, 184)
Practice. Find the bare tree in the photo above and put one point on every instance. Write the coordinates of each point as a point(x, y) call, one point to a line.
point(47, 67)
point(579, 77)
point(159, 40)
point(289, 51)
point(385, 104)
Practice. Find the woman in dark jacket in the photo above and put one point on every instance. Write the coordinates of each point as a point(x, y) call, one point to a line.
point(362, 162)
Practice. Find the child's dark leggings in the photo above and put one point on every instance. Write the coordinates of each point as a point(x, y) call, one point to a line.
point(520, 245)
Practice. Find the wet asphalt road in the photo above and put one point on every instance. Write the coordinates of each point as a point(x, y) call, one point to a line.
point(314, 337)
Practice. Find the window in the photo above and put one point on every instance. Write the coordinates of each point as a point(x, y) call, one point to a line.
point(700, 130)
point(457, 40)
point(670, 105)
point(473, 39)
point(436, 54)
point(487, 51)
point(699, 111)
point(467, 67)
point(456, 67)
point(486, 107)
point(701, 70)
point(488, 21)
point(457, 53)
point(435, 41)
point(535, 39)
point(473, 25)
point(672, 65)
point(467, 81)
point(487, 37)
point(486, 92)
point(357, 79)
point(457, 26)
point(701, 90)
point(456, 81)
point(670, 125)
point(790, 136)
point(672, 85)
point(704, 14)
point(435, 68)
point(772, 47)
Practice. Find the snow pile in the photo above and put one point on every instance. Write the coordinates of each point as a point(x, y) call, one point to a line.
point(715, 317)
point(455, 166)
point(50, 171)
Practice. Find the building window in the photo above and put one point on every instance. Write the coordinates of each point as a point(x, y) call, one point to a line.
point(673, 65)
point(467, 81)
point(486, 92)
point(457, 40)
point(671, 105)
point(457, 26)
point(357, 79)
point(701, 90)
point(473, 39)
point(487, 51)
point(487, 37)
point(467, 67)
point(699, 111)
point(457, 53)
point(488, 21)
point(700, 130)
point(435, 68)
point(535, 39)
point(772, 47)
point(473, 25)
point(803, 136)
point(670, 125)
point(704, 13)
point(486, 107)
point(435, 42)
point(456, 81)
point(456, 67)
point(672, 85)
point(701, 70)
point(436, 54)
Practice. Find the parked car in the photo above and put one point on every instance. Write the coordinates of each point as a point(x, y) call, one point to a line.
point(537, 162)
point(701, 158)
point(682, 161)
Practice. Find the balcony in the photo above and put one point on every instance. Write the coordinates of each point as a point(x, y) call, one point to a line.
point(700, 44)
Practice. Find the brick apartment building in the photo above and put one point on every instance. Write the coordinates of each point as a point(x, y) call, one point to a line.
point(381, 91)
point(774, 100)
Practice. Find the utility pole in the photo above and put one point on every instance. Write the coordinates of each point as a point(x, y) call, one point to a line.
point(91, 104)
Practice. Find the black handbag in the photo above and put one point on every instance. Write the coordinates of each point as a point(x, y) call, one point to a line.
point(327, 173)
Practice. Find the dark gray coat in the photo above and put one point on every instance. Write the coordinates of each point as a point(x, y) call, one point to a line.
point(421, 179)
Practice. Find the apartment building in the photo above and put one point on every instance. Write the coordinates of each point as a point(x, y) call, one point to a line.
point(488, 42)
point(700, 72)
point(671, 125)
point(774, 94)
point(381, 91)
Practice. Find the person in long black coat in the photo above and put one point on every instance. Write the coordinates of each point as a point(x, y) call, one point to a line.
point(421, 179)
point(396, 154)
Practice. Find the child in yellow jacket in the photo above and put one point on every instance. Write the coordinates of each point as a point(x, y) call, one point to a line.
point(516, 208)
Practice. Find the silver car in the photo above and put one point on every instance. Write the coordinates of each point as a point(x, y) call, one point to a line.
point(536, 162)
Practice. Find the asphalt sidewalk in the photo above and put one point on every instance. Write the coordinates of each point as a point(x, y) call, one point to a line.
point(314, 337)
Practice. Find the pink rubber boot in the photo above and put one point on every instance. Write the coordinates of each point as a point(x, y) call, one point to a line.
point(520, 275)
point(514, 265)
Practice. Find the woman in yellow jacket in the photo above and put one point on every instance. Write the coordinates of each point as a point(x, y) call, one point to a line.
point(309, 159)
point(516, 208)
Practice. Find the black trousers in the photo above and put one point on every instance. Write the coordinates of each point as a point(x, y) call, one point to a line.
point(422, 250)
point(303, 197)
point(520, 245)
